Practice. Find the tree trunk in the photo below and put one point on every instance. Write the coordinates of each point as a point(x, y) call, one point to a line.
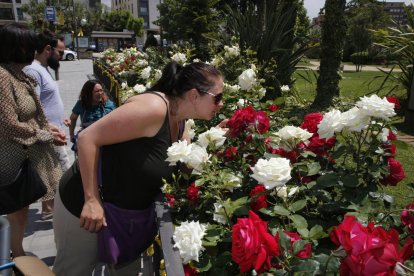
point(333, 39)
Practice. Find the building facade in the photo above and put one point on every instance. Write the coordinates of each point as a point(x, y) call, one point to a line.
point(10, 11)
point(396, 11)
point(146, 9)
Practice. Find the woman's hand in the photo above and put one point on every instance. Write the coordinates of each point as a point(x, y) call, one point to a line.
point(67, 122)
point(59, 137)
point(92, 217)
point(223, 125)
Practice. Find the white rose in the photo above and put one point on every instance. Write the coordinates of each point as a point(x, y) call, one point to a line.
point(216, 61)
point(331, 123)
point(262, 92)
point(272, 173)
point(179, 57)
point(197, 158)
point(157, 74)
point(141, 63)
point(232, 88)
point(281, 192)
point(189, 124)
point(146, 73)
point(215, 136)
point(178, 151)
point(188, 239)
point(247, 79)
point(376, 107)
point(218, 215)
point(284, 88)
point(290, 136)
point(233, 51)
point(354, 119)
point(139, 88)
point(240, 103)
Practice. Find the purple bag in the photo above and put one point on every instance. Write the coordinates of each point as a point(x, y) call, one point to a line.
point(127, 235)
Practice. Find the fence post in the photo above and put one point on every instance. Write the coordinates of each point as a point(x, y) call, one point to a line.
point(5, 246)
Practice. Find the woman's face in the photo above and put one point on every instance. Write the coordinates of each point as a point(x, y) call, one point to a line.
point(97, 94)
point(211, 102)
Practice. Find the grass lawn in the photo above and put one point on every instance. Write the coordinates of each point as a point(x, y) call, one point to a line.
point(352, 86)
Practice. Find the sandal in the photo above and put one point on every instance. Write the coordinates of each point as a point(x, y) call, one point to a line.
point(46, 215)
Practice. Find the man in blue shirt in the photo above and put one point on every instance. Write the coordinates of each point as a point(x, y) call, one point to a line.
point(48, 53)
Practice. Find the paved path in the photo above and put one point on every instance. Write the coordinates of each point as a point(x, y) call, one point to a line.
point(39, 239)
point(314, 65)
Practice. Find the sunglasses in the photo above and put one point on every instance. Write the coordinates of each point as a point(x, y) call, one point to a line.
point(217, 97)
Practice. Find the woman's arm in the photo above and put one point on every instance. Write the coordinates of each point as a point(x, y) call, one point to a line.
point(12, 128)
point(140, 117)
point(73, 119)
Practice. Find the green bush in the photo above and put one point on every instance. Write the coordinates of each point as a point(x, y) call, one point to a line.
point(360, 58)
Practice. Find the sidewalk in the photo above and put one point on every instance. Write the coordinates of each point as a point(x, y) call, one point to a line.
point(314, 65)
point(39, 238)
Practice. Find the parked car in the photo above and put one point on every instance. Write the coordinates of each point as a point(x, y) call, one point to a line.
point(69, 55)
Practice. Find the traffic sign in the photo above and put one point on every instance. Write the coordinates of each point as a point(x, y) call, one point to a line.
point(50, 13)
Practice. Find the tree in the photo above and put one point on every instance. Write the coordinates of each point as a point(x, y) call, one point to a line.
point(333, 34)
point(136, 24)
point(189, 20)
point(363, 16)
point(115, 21)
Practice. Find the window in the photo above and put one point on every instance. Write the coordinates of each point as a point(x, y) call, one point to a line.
point(20, 14)
point(6, 14)
point(143, 10)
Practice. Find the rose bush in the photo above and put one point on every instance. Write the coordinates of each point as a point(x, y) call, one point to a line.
point(270, 194)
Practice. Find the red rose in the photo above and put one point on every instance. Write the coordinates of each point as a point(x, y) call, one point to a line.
point(193, 193)
point(133, 57)
point(396, 173)
point(311, 121)
point(252, 245)
point(394, 100)
point(306, 252)
point(389, 148)
point(407, 217)
point(170, 199)
point(258, 197)
point(190, 271)
point(371, 250)
point(320, 146)
point(240, 120)
point(230, 153)
point(391, 136)
point(261, 122)
point(291, 155)
point(273, 107)
point(248, 117)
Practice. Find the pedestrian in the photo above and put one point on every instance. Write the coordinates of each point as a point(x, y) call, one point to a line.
point(49, 51)
point(92, 105)
point(131, 143)
point(25, 132)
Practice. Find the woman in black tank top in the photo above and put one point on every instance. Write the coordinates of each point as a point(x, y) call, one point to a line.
point(131, 143)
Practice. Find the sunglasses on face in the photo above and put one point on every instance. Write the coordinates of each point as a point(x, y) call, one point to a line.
point(217, 97)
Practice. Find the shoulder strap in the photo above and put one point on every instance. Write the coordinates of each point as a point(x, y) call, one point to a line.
point(156, 93)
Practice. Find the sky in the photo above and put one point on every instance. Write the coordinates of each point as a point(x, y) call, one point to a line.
point(313, 6)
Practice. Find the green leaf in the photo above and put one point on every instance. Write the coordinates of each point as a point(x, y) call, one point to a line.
point(298, 246)
point(284, 240)
point(350, 181)
point(223, 259)
point(299, 221)
point(298, 205)
point(327, 180)
point(279, 210)
point(327, 264)
point(313, 168)
point(203, 265)
point(303, 232)
point(338, 152)
point(316, 232)
point(305, 266)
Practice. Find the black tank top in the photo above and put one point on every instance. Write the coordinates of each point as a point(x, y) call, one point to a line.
point(132, 172)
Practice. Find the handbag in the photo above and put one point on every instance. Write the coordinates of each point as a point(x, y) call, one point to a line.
point(24, 190)
point(128, 232)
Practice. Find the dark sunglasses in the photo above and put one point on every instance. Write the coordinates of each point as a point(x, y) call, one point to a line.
point(217, 97)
